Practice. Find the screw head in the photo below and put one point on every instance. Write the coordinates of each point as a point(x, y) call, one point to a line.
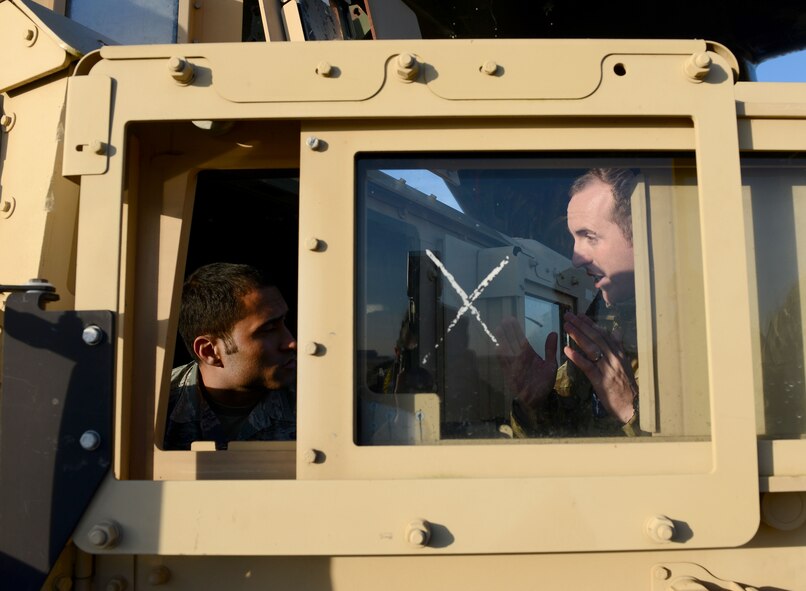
point(417, 537)
point(312, 348)
point(660, 529)
point(29, 36)
point(92, 335)
point(406, 60)
point(702, 59)
point(98, 147)
point(90, 440)
point(697, 66)
point(313, 244)
point(7, 207)
point(324, 69)
point(418, 533)
point(407, 67)
point(175, 64)
point(104, 535)
point(7, 121)
point(489, 67)
point(313, 142)
point(97, 537)
point(661, 573)
point(310, 456)
point(181, 70)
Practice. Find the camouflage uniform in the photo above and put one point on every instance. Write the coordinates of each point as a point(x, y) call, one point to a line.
point(190, 417)
point(573, 408)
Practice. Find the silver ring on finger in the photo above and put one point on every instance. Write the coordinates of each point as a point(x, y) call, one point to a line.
point(597, 357)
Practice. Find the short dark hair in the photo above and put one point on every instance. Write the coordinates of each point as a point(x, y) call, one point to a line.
point(622, 181)
point(212, 301)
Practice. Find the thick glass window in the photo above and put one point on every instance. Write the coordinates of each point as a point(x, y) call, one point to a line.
point(776, 188)
point(511, 297)
point(157, 19)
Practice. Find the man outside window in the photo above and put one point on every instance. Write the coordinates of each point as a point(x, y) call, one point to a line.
point(240, 385)
point(596, 391)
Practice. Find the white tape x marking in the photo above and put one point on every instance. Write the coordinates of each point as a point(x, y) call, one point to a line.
point(467, 301)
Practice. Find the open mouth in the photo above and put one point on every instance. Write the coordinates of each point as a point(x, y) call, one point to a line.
point(597, 279)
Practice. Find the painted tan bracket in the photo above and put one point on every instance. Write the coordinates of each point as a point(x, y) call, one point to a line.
point(87, 120)
point(688, 576)
point(27, 54)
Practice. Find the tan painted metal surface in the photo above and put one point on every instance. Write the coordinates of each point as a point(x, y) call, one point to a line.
point(35, 57)
point(327, 513)
point(715, 468)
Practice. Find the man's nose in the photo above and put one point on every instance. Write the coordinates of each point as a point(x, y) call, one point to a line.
point(289, 341)
point(580, 258)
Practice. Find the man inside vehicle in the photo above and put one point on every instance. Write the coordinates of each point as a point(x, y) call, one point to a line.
point(240, 384)
point(596, 391)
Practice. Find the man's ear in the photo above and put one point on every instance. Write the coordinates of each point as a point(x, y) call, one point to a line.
point(206, 351)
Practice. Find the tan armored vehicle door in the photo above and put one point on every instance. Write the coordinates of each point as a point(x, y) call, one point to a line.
point(434, 464)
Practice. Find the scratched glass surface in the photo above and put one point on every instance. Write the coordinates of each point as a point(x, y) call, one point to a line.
point(776, 189)
point(465, 267)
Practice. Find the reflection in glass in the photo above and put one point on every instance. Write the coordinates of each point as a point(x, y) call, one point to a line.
point(776, 188)
point(541, 318)
point(459, 289)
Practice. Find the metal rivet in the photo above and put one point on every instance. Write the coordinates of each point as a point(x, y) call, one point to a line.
point(313, 142)
point(660, 529)
point(697, 66)
point(311, 456)
point(30, 36)
point(92, 335)
point(159, 575)
point(407, 67)
point(324, 69)
point(104, 535)
point(701, 59)
point(313, 243)
point(90, 440)
point(661, 573)
point(418, 533)
point(406, 60)
point(98, 147)
point(7, 207)
point(489, 67)
point(313, 348)
point(7, 121)
point(181, 70)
